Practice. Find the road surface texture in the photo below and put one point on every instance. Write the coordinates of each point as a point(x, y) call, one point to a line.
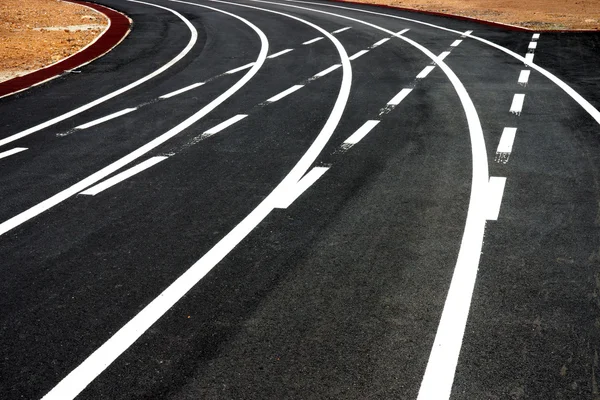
point(305, 200)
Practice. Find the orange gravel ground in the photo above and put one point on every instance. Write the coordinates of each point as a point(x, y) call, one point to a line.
point(36, 33)
point(533, 14)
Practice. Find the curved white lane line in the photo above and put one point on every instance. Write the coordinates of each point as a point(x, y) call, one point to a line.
point(104, 172)
point(85, 107)
point(100, 359)
point(587, 106)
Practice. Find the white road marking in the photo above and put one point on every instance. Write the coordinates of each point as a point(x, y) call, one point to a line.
point(494, 198)
point(94, 190)
point(402, 32)
point(456, 43)
point(78, 110)
point(10, 152)
point(326, 71)
point(313, 40)
point(524, 77)
point(535, 36)
point(341, 30)
point(100, 359)
point(295, 191)
point(505, 146)
point(382, 41)
point(282, 52)
point(361, 132)
point(182, 90)
point(360, 53)
point(238, 69)
point(225, 124)
point(107, 118)
point(465, 33)
point(517, 104)
point(399, 97)
point(284, 93)
point(444, 55)
point(532, 45)
point(529, 59)
point(425, 71)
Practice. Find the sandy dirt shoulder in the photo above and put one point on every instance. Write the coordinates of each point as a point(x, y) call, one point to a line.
point(37, 33)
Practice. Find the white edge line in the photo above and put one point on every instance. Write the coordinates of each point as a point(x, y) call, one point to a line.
point(10, 152)
point(506, 140)
point(287, 198)
point(225, 124)
point(282, 52)
point(361, 132)
point(94, 190)
point(284, 93)
point(495, 193)
point(399, 97)
point(182, 90)
point(106, 118)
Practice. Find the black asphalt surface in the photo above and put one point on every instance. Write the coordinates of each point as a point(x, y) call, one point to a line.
point(339, 295)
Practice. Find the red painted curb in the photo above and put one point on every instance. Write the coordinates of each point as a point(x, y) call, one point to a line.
point(119, 27)
point(470, 19)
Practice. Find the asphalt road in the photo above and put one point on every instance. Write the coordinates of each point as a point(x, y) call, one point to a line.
point(416, 221)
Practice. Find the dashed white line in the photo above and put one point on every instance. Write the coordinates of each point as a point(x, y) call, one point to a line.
point(182, 90)
point(225, 124)
point(238, 69)
point(466, 33)
point(402, 32)
point(535, 36)
point(288, 197)
point(282, 52)
point(94, 190)
point(361, 132)
point(341, 30)
point(399, 97)
point(524, 76)
point(444, 55)
point(284, 93)
point(360, 53)
point(532, 45)
point(10, 152)
point(528, 58)
point(506, 141)
point(327, 71)
point(517, 104)
point(494, 197)
point(107, 118)
point(313, 40)
point(456, 43)
point(382, 41)
point(425, 71)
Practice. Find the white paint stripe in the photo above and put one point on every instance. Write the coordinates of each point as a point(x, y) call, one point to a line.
point(360, 53)
point(529, 59)
point(425, 71)
point(81, 376)
point(361, 132)
point(282, 52)
point(313, 40)
point(456, 43)
point(94, 190)
point(328, 70)
point(284, 93)
point(466, 33)
point(107, 118)
point(535, 36)
point(517, 103)
point(238, 69)
point(10, 152)
point(182, 90)
point(524, 76)
point(111, 168)
point(506, 140)
point(341, 30)
point(307, 181)
point(532, 45)
point(444, 55)
point(402, 32)
point(225, 124)
point(399, 97)
point(495, 193)
point(78, 110)
point(382, 41)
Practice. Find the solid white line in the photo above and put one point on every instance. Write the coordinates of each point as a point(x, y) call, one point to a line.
point(307, 181)
point(361, 132)
point(10, 152)
point(535, 36)
point(524, 76)
point(529, 59)
point(532, 45)
point(425, 71)
point(444, 55)
point(328, 70)
point(225, 124)
point(517, 104)
point(94, 190)
point(399, 97)
point(107, 118)
point(506, 140)
point(313, 40)
point(341, 30)
point(360, 53)
point(495, 193)
point(456, 43)
point(284, 93)
point(382, 41)
point(282, 52)
point(78, 110)
point(238, 69)
point(182, 90)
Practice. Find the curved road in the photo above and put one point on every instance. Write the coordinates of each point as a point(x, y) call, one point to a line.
point(305, 200)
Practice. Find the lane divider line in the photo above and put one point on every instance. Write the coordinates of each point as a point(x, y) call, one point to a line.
point(342, 30)
point(10, 152)
point(524, 77)
point(358, 135)
point(182, 90)
point(399, 97)
point(379, 43)
point(456, 43)
point(505, 145)
point(313, 40)
point(283, 94)
point(517, 104)
point(528, 59)
point(94, 190)
point(280, 53)
point(532, 45)
point(104, 119)
point(358, 54)
point(466, 33)
point(444, 54)
point(326, 71)
point(535, 36)
point(494, 197)
point(225, 124)
point(425, 72)
point(287, 198)
point(238, 69)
